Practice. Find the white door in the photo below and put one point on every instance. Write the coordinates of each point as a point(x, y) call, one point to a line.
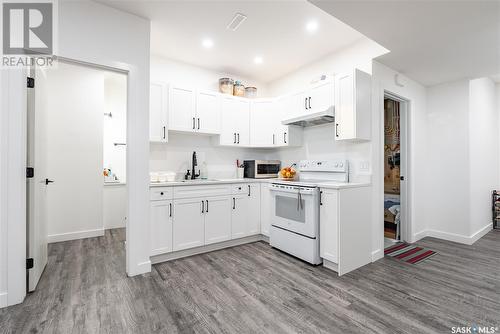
point(75, 114)
point(217, 219)
point(345, 121)
point(188, 224)
point(243, 122)
point(265, 209)
point(208, 112)
point(263, 123)
point(320, 97)
point(253, 223)
point(239, 216)
point(37, 189)
point(229, 114)
point(181, 111)
point(329, 234)
point(161, 227)
point(158, 114)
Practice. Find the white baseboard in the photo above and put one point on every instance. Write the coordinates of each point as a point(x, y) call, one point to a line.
point(75, 235)
point(460, 238)
point(3, 299)
point(377, 255)
point(140, 268)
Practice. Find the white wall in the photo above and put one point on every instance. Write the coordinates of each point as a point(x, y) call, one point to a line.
point(448, 158)
point(176, 154)
point(115, 205)
point(115, 128)
point(483, 152)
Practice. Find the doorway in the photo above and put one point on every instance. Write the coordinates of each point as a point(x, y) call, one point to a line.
point(70, 150)
point(396, 227)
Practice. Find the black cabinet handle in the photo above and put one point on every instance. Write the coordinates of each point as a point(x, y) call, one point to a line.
point(238, 138)
point(194, 123)
point(320, 198)
point(248, 190)
point(170, 209)
point(47, 181)
point(164, 132)
point(309, 102)
point(206, 210)
point(202, 206)
point(161, 193)
point(235, 138)
point(273, 138)
point(198, 123)
point(305, 103)
point(336, 129)
point(284, 137)
point(234, 203)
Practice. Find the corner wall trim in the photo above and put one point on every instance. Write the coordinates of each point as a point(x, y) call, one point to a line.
point(377, 255)
point(3, 299)
point(140, 268)
point(460, 238)
point(75, 235)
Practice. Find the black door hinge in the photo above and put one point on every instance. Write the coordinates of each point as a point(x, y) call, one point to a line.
point(31, 82)
point(30, 172)
point(30, 263)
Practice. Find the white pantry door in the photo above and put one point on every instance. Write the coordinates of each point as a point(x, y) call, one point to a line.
point(37, 188)
point(74, 155)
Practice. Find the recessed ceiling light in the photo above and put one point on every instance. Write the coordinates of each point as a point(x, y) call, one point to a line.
point(207, 43)
point(258, 60)
point(312, 26)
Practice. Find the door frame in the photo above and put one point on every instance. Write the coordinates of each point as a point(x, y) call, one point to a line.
point(406, 228)
point(31, 72)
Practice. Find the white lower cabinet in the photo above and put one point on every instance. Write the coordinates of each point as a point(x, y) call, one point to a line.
point(254, 209)
point(239, 216)
point(265, 209)
point(329, 227)
point(217, 219)
point(245, 217)
point(161, 227)
point(188, 223)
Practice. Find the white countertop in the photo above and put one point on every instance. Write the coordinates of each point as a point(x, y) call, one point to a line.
point(197, 182)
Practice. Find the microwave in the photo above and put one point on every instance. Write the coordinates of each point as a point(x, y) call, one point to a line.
point(261, 169)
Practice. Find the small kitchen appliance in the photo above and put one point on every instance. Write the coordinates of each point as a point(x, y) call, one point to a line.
point(261, 169)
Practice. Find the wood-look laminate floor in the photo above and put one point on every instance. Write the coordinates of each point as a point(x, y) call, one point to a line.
point(256, 289)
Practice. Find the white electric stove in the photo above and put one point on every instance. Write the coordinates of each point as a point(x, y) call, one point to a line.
point(295, 207)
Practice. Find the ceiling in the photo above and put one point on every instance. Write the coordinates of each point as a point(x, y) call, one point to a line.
point(430, 41)
point(274, 30)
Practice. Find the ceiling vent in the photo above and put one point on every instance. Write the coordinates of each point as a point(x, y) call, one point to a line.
point(236, 21)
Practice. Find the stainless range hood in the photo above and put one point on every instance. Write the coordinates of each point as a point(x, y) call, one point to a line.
point(317, 118)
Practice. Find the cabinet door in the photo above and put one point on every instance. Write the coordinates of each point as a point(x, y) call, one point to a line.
point(243, 122)
point(253, 223)
point(295, 105)
point(182, 109)
point(208, 112)
point(265, 209)
point(158, 114)
point(320, 97)
point(329, 225)
point(229, 107)
point(263, 123)
point(239, 216)
point(188, 224)
point(161, 227)
point(217, 219)
point(345, 120)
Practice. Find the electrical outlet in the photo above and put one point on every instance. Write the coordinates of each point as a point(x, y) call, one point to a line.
point(364, 166)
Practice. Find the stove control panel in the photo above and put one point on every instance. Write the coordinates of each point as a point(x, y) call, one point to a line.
point(340, 166)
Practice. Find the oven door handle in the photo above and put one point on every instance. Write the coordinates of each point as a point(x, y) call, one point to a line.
point(299, 200)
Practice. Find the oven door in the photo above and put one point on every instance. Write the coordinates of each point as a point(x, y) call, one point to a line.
point(295, 209)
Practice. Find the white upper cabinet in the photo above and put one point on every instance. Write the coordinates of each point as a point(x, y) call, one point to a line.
point(286, 135)
point(263, 113)
point(158, 112)
point(207, 112)
point(353, 106)
point(235, 121)
point(181, 109)
point(320, 97)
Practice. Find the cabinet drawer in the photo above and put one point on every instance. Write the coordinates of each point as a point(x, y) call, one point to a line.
point(161, 193)
point(202, 191)
point(240, 188)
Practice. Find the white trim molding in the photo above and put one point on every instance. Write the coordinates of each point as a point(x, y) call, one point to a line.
point(377, 255)
point(3, 299)
point(75, 235)
point(463, 239)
